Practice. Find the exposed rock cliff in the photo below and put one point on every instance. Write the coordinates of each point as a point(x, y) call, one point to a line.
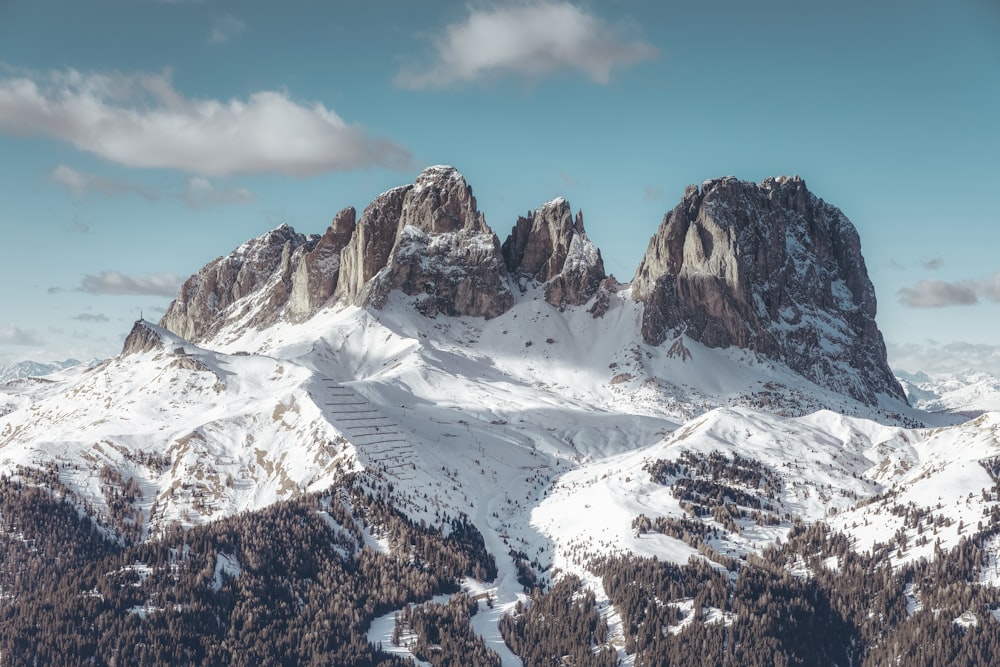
point(772, 269)
point(444, 253)
point(367, 253)
point(316, 275)
point(550, 247)
point(252, 283)
point(142, 338)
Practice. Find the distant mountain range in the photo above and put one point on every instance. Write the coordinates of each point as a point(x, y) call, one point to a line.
point(968, 393)
point(26, 369)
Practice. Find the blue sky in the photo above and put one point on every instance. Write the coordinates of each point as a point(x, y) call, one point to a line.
point(141, 139)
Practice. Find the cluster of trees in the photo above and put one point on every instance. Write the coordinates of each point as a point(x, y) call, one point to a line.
point(559, 627)
point(443, 635)
point(851, 608)
point(298, 597)
point(294, 584)
point(724, 488)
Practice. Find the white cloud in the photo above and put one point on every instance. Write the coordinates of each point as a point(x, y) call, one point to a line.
point(13, 335)
point(80, 182)
point(531, 39)
point(200, 193)
point(226, 27)
point(113, 282)
point(939, 293)
point(140, 120)
point(935, 357)
point(990, 287)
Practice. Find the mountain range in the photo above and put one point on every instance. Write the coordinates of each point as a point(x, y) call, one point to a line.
point(729, 410)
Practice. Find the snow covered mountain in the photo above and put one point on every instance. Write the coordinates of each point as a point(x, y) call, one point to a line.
point(969, 393)
point(407, 354)
point(27, 369)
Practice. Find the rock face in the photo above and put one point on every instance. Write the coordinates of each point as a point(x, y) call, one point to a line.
point(252, 284)
point(427, 240)
point(772, 269)
point(444, 254)
point(368, 251)
point(315, 278)
point(142, 338)
point(550, 247)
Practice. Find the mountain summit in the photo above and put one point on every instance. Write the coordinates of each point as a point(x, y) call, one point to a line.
point(772, 269)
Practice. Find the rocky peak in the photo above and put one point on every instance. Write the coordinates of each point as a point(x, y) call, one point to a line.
point(440, 201)
point(444, 253)
point(316, 276)
point(251, 283)
point(144, 337)
point(769, 268)
point(550, 246)
point(368, 251)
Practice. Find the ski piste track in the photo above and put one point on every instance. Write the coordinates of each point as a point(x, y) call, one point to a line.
point(379, 443)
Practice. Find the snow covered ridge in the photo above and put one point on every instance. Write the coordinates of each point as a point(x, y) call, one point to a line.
point(969, 393)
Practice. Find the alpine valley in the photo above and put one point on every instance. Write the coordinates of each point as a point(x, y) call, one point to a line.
point(405, 441)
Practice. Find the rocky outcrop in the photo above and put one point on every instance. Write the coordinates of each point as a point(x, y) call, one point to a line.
point(368, 251)
point(551, 247)
point(251, 285)
point(444, 254)
point(769, 268)
point(315, 279)
point(142, 338)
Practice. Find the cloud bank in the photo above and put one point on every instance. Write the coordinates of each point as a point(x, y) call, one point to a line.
point(940, 293)
point(531, 39)
point(13, 335)
point(938, 358)
point(141, 120)
point(113, 282)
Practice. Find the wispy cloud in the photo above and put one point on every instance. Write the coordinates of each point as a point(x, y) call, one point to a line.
point(530, 39)
point(13, 335)
point(91, 317)
point(935, 357)
point(932, 264)
point(226, 27)
point(113, 282)
point(940, 293)
point(141, 120)
point(200, 193)
point(652, 193)
point(80, 182)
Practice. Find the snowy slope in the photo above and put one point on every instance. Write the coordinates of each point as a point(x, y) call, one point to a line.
point(967, 393)
point(204, 435)
point(539, 424)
